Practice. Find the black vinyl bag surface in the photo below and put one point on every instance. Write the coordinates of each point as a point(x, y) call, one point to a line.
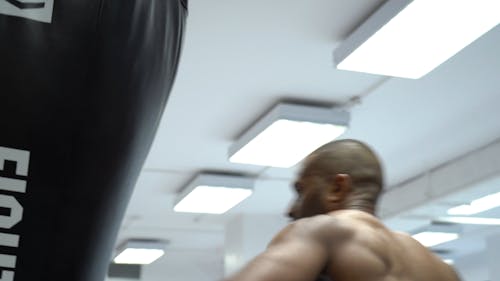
point(83, 84)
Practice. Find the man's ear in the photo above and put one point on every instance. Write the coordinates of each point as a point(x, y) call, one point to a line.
point(340, 187)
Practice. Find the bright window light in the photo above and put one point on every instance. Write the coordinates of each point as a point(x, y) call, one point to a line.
point(430, 239)
point(138, 256)
point(469, 220)
point(477, 206)
point(212, 199)
point(284, 143)
point(419, 38)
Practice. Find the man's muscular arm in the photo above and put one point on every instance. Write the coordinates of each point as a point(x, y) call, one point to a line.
point(299, 252)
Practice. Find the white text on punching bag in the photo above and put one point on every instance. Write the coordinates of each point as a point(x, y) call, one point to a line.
point(37, 10)
point(9, 202)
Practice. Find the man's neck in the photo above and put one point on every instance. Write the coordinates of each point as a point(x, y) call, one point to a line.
point(360, 205)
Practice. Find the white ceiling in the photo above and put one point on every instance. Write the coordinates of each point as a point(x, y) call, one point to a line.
point(241, 57)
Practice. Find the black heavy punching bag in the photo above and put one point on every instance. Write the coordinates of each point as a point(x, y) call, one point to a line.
point(83, 84)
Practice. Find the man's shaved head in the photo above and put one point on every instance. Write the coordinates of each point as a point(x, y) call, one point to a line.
point(350, 157)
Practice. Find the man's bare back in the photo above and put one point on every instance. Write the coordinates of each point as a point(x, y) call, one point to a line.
point(370, 251)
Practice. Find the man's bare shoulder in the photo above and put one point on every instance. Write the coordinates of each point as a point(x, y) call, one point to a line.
point(398, 251)
point(439, 265)
point(323, 228)
point(339, 227)
point(327, 224)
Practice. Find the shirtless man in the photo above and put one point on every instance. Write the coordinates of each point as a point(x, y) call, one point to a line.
point(335, 235)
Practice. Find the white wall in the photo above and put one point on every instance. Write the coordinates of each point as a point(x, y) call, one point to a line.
point(119, 279)
point(473, 267)
point(247, 236)
point(187, 265)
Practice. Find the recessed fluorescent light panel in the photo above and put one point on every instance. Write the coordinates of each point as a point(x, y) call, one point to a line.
point(140, 252)
point(287, 134)
point(469, 220)
point(406, 38)
point(448, 261)
point(477, 206)
point(430, 238)
point(213, 193)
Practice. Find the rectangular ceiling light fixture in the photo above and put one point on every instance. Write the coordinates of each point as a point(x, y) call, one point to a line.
point(448, 261)
point(409, 38)
point(213, 193)
point(430, 238)
point(287, 134)
point(469, 220)
point(138, 251)
point(476, 206)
